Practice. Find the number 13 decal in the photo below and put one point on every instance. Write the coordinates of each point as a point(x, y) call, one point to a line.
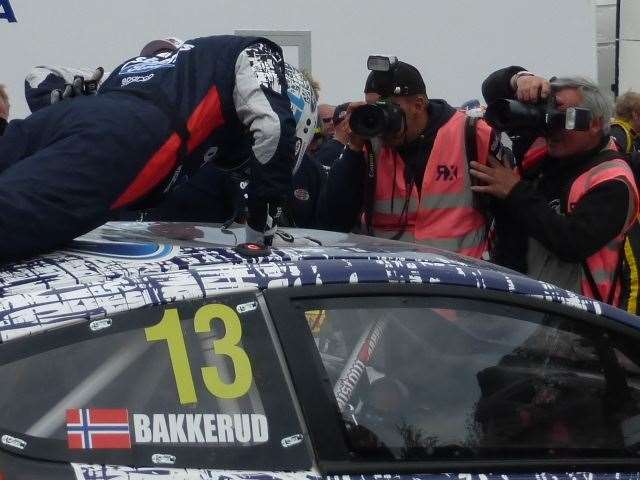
point(170, 330)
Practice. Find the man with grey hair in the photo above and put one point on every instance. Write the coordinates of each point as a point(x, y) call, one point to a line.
point(575, 196)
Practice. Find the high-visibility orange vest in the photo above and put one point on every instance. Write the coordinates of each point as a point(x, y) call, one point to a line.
point(442, 215)
point(603, 264)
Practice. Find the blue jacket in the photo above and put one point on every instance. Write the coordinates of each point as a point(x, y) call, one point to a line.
point(66, 168)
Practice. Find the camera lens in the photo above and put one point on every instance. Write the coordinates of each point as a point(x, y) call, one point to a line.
point(515, 117)
point(368, 121)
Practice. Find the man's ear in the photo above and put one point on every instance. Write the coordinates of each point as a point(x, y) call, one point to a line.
point(420, 102)
point(596, 125)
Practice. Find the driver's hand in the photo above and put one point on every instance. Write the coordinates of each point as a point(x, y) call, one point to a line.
point(263, 221)
point(79, 87)
point(532, 89)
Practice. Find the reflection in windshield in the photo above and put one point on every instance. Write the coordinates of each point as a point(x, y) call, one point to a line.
point(440, 382)
point(93, 385)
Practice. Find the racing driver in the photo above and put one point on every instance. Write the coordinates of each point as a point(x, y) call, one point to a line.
point(157, 119)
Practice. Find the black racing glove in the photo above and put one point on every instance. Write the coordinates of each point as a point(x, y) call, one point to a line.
point(79, 87)
point(262, 222)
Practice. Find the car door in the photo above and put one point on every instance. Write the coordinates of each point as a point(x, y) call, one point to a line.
point(405, 380)
point(193, 384)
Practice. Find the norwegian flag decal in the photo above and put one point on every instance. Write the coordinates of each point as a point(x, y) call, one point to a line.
point(98, 428)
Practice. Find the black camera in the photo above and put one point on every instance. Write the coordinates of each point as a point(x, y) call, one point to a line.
point(382, 118)
point(517, 118)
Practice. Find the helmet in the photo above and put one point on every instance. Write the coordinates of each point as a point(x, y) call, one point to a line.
point(304, 105)
point(171, 44)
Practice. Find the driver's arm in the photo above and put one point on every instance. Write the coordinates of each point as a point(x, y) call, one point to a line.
point(262, 105)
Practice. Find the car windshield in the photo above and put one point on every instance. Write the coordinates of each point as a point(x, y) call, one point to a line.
point(424, 380)
point(190, 381)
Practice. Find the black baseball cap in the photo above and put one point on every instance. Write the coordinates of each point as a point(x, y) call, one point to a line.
point(340, 113)
point(403, 79)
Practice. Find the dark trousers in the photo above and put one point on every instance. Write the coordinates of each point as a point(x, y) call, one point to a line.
point(63, 168)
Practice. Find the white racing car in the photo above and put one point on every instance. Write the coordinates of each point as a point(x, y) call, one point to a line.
point(148, 351)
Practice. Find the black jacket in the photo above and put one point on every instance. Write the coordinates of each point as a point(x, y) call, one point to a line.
point(536, 207)
point(328, 152)
point(307, 186)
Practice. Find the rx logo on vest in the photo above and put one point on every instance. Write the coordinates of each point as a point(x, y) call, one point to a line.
point(447, 173)
point(6, 12)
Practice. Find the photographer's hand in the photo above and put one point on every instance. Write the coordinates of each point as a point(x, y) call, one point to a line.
point(498, 179)
point(346, 135)
point(532, 89)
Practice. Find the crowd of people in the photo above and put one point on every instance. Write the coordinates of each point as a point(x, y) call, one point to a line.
point(222, 129)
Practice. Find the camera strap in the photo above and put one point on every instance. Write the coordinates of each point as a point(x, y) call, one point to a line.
point(370, 186)
point(471, 152)
point(470, 141)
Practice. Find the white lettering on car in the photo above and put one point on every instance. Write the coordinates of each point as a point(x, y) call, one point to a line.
point(142, 428)
point(200, 428)
point(194, 433)
point(176, 424)
point(160, 429)
point(209, 421)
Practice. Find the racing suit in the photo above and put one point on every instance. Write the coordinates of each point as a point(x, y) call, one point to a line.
point(68, 167)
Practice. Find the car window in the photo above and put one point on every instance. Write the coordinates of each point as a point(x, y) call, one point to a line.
point(445, 378)
point(190, 384)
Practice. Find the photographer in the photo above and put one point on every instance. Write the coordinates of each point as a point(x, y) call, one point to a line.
point(4, 109)
point(577, 197)
point(411, 181)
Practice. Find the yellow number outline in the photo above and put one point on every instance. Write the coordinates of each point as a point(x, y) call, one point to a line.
point(170, 330)
point(227, 345)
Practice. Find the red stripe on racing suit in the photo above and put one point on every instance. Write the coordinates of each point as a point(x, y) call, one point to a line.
point(205, 119)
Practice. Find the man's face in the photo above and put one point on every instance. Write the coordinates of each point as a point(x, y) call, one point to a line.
point(326, 119)
point(565, 143)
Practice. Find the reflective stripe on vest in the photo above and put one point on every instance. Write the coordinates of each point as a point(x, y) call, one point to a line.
point(604, 263)
point(444, 216)
point(537, 151)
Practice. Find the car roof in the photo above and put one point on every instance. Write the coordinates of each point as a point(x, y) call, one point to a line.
point(127, 265)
